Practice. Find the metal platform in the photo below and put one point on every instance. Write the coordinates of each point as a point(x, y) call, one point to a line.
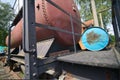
point(97, 58)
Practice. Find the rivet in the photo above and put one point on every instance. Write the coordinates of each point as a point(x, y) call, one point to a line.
point(33, 55)
point(34, 74)
point(27, 73)
point(33, 45)
point(33, 50)
point(26, 65)
point(34, 63)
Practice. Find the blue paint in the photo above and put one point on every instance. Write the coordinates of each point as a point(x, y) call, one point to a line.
point(2, 49)
point(95, 38)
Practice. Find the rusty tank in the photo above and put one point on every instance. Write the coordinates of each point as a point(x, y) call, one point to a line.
point(46, 13)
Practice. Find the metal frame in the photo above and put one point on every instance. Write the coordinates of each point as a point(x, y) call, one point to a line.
point(9, 46)
point(116, 23)
point(32, 65)
point(116, 20)
point(29, 40)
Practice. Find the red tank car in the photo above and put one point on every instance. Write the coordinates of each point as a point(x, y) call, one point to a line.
point(46, 13)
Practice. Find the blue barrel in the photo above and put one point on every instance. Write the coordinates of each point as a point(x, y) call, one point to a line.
point(95, 38)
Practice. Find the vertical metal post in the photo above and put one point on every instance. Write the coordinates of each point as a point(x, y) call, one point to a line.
point(94, 13)
point(29, 40)
point(73, 33)
point(116, 20)
point(9, 45)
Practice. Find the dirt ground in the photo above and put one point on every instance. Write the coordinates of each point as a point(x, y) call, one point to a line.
point(6, 73)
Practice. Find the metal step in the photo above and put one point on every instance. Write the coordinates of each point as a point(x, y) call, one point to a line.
point(106, 58)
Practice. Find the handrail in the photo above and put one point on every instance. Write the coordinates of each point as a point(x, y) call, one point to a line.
point(58, 7)
point(16, 6)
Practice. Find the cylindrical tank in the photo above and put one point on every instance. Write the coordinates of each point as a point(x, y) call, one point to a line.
point(95, 38)
point(46, 13)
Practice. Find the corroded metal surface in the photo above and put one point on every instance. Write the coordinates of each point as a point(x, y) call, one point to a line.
point(46, 13)
point(92, 37)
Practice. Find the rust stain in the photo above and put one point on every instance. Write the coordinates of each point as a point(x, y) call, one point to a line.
point(92, 37)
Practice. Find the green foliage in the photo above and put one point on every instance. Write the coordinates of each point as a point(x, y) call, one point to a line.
point(86, 11)
point(3, 34)
point(6, 15)
point(112, 39)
